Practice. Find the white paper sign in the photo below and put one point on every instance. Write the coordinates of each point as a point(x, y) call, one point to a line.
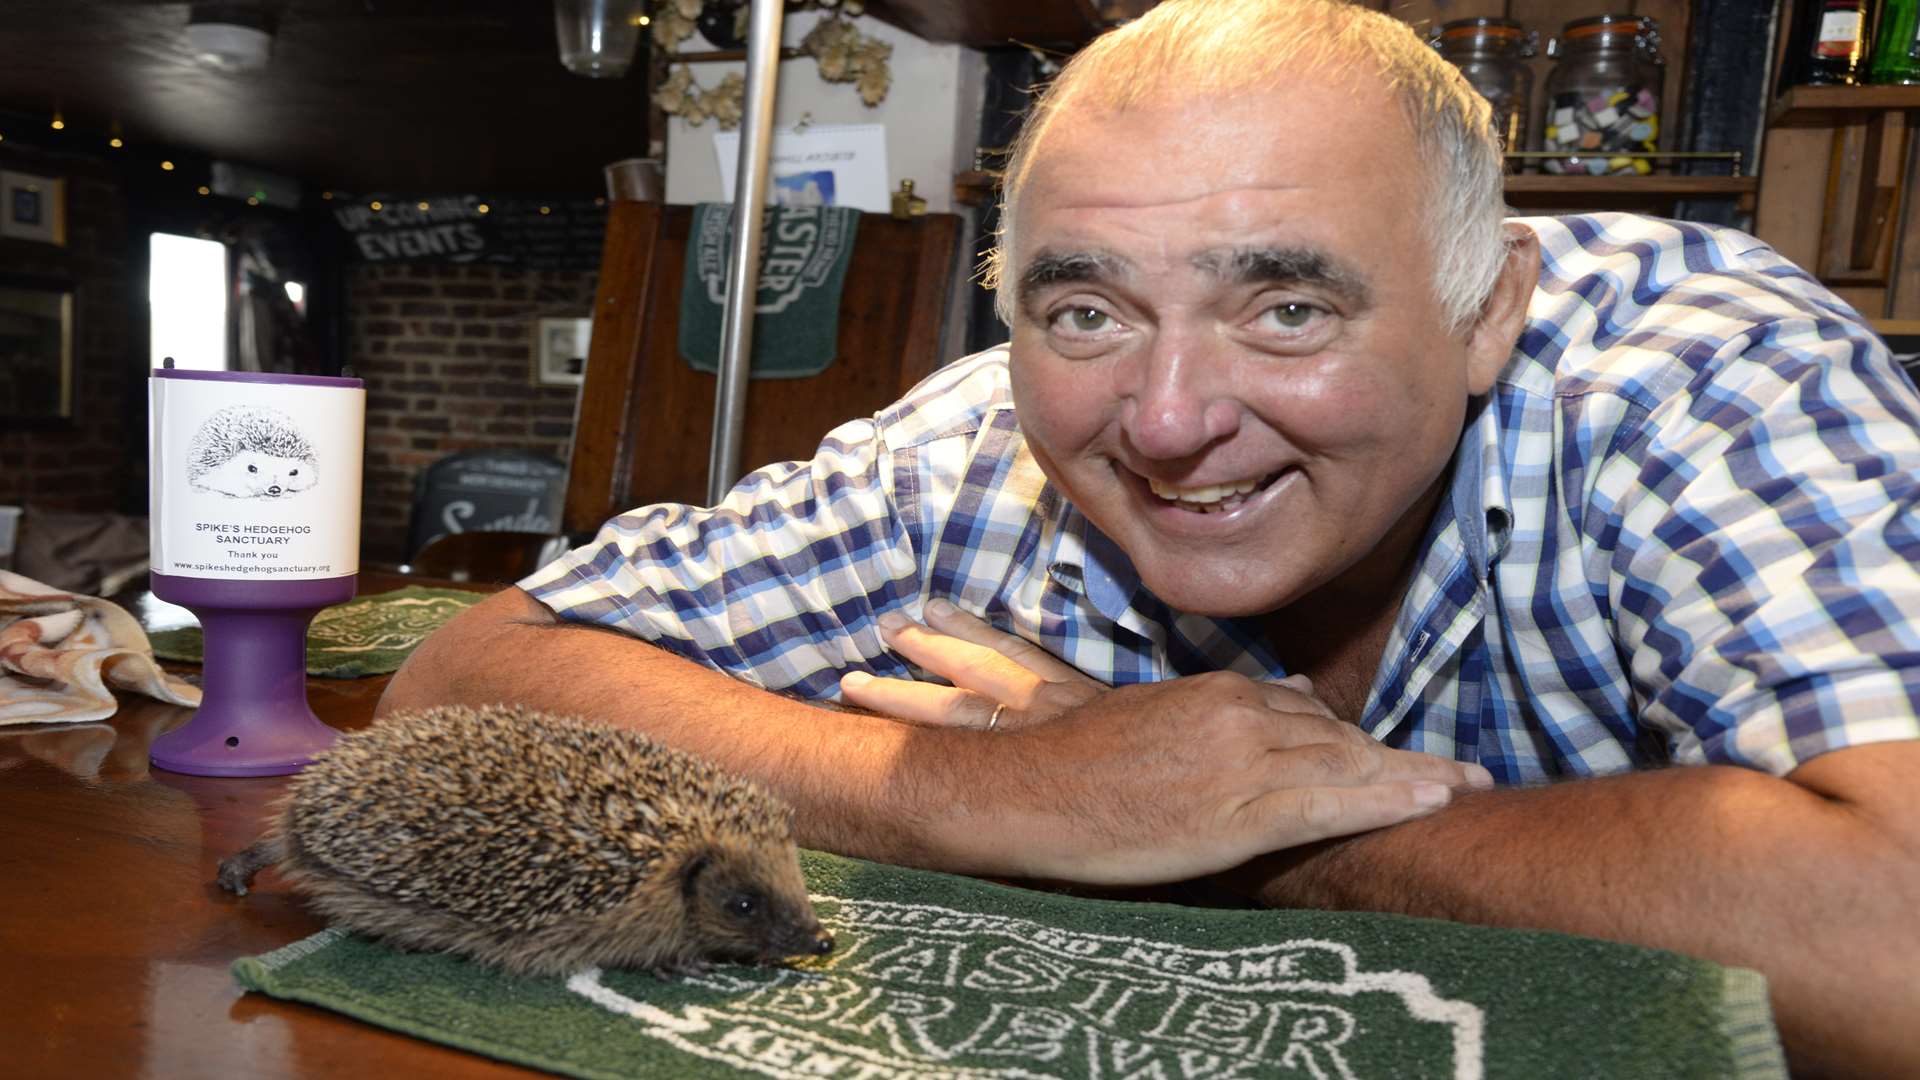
point(821, 165)
point(255, 481)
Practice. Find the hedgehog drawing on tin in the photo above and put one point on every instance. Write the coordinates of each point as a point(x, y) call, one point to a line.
point(251, 452)
point(538, 844)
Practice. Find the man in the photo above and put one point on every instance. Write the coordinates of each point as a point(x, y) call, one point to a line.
point(1561, 499)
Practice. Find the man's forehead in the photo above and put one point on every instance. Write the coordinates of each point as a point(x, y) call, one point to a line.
point(1168, 108)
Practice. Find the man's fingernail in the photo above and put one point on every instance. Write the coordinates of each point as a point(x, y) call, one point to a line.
point(941, 607)
point(1478, 776)
point(1428, 796)
point(854, 680)
point(893, 622)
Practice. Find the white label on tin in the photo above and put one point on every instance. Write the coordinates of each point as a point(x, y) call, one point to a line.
point(255, 481)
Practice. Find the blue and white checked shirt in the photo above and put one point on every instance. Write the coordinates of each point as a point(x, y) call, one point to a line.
point(1682, 526)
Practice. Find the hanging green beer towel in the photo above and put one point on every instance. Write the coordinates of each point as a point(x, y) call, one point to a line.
point(941, 976)
point(804, 251)
point(368, 635)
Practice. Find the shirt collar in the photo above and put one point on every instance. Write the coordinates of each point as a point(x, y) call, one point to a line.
point(1109, 576)
point(1086, 561)
point(1479, 499)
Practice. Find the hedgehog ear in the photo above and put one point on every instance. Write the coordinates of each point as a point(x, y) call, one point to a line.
point(691, 871)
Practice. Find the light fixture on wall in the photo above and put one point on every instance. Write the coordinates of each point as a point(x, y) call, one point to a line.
point(229, 38)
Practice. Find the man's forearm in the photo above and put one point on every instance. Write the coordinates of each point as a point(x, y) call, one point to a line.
point(1735, 866)
point(1126, 789)
point(837, 769)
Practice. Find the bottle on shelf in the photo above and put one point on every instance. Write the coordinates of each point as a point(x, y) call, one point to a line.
point(1896, 45)
point(1835, 40)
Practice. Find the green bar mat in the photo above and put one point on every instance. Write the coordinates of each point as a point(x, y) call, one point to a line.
point(942, 976)
point(368, 635)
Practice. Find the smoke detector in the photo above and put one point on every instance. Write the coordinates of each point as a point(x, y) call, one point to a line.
point(227, 41)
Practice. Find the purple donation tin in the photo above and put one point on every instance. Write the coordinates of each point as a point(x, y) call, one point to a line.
point(255, 511)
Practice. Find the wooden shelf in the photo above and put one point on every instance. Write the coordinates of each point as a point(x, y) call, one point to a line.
point(1826, 106)
point(1540, 190)
point(1683, 186)
point(1544, 190)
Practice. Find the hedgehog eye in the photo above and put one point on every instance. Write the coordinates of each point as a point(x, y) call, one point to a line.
point(741, 905)
point(253, 468)
point(293, 472)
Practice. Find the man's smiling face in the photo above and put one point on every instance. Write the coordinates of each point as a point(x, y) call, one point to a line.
point(1226, 347)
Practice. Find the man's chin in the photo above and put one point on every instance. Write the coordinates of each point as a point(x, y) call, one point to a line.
point(1225, 599)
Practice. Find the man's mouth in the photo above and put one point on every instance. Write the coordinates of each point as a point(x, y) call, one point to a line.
point(1210, 498)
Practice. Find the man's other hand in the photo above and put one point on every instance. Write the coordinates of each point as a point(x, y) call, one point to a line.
point(1152, 783)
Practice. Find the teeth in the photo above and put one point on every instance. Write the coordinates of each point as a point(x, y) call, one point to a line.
point(1209, 494)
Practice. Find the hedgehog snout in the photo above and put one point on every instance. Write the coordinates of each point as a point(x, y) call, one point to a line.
point(808, 940)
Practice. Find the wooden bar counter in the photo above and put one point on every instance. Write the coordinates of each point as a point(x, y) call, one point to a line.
point(114, 940)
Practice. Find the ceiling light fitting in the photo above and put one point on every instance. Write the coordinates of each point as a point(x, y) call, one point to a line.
point(229, 39)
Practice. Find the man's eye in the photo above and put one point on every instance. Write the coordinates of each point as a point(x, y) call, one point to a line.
point(1083, 320)
point(1293, 316)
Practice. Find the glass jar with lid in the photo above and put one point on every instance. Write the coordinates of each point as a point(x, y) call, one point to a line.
point(1603, 96)
point(1493, 54)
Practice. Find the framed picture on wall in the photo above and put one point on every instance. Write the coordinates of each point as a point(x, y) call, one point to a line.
point(33, 207)
point(560, 351)
point(36, 352)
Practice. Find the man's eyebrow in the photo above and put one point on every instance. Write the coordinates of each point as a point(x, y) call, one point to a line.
point(1048, 268)
point(1305, 266)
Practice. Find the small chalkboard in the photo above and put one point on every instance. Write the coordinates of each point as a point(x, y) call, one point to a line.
point(487, 491)
point(541, 234)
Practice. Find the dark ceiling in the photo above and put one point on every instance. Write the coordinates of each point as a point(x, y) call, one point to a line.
point(386, 95)
point(364, 95)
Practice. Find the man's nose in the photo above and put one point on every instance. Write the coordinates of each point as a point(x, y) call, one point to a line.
point(1179, 402)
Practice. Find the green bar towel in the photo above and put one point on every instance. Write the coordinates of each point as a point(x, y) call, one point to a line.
point(368, 635)
point(804, 252)
point(941, 976)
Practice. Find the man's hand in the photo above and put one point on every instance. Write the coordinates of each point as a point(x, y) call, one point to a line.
point(990, 672)
point(1151, 783)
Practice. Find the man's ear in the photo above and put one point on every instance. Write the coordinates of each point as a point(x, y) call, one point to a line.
point(1504, 315)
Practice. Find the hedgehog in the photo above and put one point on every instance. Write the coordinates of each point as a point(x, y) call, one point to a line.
point(251, 452)
point(540, 845)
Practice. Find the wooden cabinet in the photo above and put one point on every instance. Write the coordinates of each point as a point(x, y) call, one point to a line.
point(1837, 190)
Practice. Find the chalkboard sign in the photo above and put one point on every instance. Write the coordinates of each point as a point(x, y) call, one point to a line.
point(487, 491)
point(542, 234)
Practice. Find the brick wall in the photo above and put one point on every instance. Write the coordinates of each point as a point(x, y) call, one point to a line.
point(82, 463)
point(447, 355)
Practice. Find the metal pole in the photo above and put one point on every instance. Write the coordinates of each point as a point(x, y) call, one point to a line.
point(743, 265)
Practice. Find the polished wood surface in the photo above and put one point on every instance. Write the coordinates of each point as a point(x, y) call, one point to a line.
point(114, 941)
point(645, 424)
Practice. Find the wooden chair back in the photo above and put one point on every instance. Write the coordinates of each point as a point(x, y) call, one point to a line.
point(645, 423)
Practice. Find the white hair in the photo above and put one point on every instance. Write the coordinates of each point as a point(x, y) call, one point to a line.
point(1216, 47)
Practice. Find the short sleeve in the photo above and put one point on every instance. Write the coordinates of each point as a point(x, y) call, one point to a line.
point(779, 585)
point(1765, 580)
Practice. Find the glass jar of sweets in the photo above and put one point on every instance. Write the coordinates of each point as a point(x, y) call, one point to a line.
point(1493, 54)
point(1603, 96)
